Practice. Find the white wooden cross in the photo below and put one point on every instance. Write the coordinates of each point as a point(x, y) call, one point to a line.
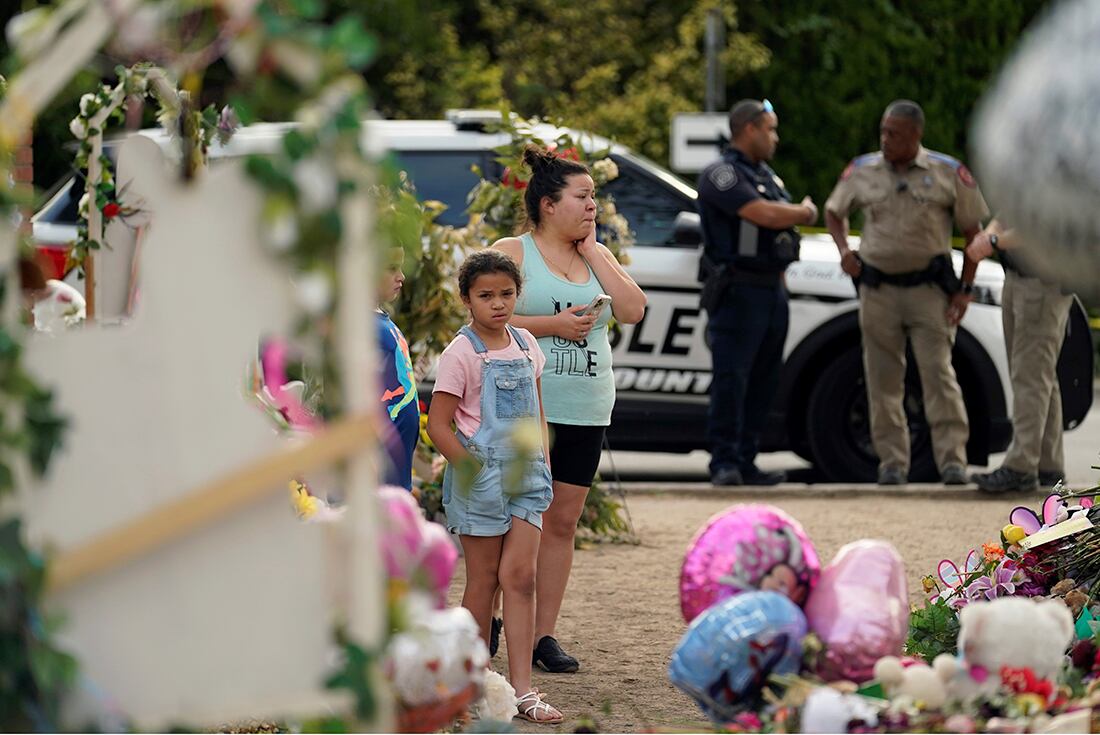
point(192, 594)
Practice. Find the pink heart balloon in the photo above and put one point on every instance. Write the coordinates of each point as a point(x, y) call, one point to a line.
point(859, 609)
point(746, 547)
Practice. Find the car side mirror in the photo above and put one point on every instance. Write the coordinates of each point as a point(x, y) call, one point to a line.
point(686, 229)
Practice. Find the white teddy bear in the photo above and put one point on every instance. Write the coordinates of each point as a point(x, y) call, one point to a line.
point(923, 685)
point(1008, 631)
point(437, 656)
point(1017, 632)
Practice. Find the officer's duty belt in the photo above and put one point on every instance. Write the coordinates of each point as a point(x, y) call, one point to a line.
point(751, 278)
point(940, 271)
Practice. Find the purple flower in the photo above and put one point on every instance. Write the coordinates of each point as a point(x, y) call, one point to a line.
point(1001, 582)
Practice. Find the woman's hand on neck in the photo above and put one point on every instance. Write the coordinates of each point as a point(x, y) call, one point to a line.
point(553, 240)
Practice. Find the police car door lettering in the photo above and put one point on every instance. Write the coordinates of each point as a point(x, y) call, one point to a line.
point(671, 356)
point(675, 329)
point(659, 380)
point(636, 344)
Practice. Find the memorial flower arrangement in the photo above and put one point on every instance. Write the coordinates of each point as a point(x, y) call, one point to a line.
point(1006, 641)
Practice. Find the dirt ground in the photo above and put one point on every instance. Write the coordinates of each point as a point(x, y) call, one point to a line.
point(621, 616)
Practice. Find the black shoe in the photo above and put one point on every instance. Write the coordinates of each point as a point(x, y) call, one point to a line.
point(1051, 478)
point(727, 476)
point(953, 474)
point(549, 657)
point(1004, 480)
point(892, 476)
point(494, 636)
point(756, 476)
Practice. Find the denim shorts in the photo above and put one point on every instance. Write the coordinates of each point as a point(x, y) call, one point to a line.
point(504, 488)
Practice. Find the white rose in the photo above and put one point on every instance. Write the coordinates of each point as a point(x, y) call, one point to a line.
point(282, 232)
point(314, 292)
point(317, 186)
point(86, 101)
point(605, 169)
point(82, 205)
point(78, 128)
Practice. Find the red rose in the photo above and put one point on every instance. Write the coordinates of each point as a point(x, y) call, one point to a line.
point(111, 210)
point(570, 153)
point(510, 179)
point(1019, 680)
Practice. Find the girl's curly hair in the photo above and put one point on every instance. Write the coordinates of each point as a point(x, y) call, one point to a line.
point(487, 261)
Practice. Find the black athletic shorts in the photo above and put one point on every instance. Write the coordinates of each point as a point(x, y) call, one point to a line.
point(575, 453)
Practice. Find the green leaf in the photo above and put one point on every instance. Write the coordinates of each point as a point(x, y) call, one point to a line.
point(297, 145)
point(243, 108)
point(275, 23)
point(350, 38)
point(355, 676)
point(933, 630)
point(9, 348)
point(263, 170)
point(308, 9)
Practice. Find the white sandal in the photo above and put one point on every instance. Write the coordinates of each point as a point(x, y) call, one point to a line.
point(533, 709)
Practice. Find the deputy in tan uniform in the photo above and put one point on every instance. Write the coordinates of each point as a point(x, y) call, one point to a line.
point(1034, 314)
point(907, 284)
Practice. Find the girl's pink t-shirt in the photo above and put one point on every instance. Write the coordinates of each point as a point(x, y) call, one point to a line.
point(459, 373)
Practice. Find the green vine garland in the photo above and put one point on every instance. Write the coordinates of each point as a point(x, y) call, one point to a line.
point(196, 128)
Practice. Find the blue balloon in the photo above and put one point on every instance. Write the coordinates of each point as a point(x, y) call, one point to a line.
point(727, 654)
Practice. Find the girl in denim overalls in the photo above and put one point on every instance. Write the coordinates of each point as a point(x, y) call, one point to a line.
point(497, 483)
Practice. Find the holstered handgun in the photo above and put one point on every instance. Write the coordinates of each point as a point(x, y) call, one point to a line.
point(942, 272)
point(715, 278)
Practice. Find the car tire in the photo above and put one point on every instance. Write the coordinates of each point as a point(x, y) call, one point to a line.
point(838, 424)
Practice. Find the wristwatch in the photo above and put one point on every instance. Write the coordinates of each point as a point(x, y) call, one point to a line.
point(993, 240)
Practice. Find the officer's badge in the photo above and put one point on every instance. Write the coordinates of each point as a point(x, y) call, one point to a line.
point(966, 177)
point(723, 177)
point(928, 181)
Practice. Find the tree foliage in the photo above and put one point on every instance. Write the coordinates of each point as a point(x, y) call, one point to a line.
point(835, 66)
point(622, 68)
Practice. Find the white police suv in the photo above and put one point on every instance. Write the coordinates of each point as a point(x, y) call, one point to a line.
point(662, 364)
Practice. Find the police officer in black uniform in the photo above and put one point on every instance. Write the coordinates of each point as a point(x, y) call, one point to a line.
point(749, 239)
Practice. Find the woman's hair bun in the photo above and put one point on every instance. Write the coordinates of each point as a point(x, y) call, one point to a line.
point(537, 157)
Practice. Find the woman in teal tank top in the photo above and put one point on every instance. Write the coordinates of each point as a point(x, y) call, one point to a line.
point(564, 268)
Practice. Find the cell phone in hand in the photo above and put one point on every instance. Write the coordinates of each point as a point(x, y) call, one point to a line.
point(597, 306)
